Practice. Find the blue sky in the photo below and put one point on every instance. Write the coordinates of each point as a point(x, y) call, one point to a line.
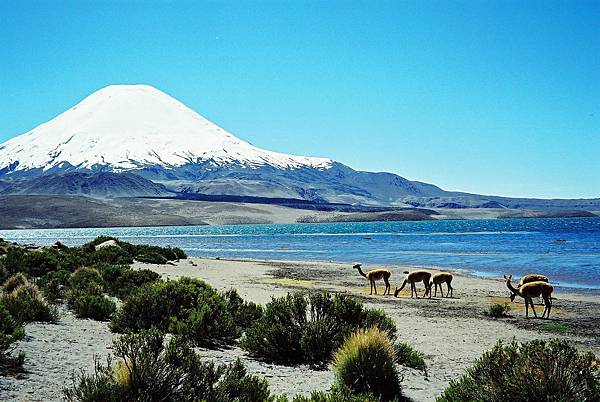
point(492, 97)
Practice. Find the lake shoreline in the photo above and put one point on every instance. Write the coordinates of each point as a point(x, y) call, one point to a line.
point(566, 250)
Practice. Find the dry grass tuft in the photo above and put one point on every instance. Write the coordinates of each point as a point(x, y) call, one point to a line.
point(365, 364)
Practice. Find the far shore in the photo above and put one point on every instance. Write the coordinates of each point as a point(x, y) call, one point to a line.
point(51, 212)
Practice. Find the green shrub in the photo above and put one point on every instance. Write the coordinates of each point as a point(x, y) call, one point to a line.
point(128, 281)
point(34, 263)
point(10, 332)
point(134, 250)
point(378, 318)
point(85, 295)
point(26, 304)
point(237, 385)
point(208, 323)
point(408, 357)
point(110, 255)
point(110, 273)
point(531, 371)
point(14, 282)
point(92, 305)
point(147, 370)
point(306, 329)
point(276, 336)
point(4, 274)
point(53, 284)
point(151, 258)
point(316, 341)
point(336, 394)
point(154, 304)
point(179, 253)
point(498, 310)
point(86, 278)
point(365, 364)
point(243, 313)
point(187, 306)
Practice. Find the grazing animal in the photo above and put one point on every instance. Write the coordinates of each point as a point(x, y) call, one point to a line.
point(414, 277)
point(530, 290)
point(375, 275)
point(527, 279)
point(438, 279)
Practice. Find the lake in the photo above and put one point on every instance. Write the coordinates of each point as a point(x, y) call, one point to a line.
point(565, 249)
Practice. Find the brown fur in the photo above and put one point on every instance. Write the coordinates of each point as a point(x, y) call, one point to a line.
point(375, 275)
point(527, 279)
point(412, 278)
point(440, 278)
point(530, 290)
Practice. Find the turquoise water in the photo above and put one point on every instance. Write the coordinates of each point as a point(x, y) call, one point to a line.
point(480, 247)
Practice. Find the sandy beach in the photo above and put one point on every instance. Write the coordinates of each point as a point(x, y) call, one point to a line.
point(451, 332)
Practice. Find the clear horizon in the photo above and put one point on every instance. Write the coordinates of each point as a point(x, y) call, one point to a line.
point(497, 98)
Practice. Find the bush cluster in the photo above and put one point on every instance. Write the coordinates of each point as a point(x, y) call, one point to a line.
point(336, 394)
point(92, 304)
point(10, 332)
point(14, 282)
point(25, 302)
point(243, 313)
point(147, 370)
point(307, 329)
point(53, 284)
point(409, 357)
point(121, 281)
point(152, 258)
point(498, 310)
point(37, 263)
point(81, 275)
point(85, 295)
point(186, 306)
point(537, 370)
point(139, 250)
point(365, 363)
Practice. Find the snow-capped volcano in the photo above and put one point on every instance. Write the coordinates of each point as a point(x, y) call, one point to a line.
point(128, 127)
point(141, 130)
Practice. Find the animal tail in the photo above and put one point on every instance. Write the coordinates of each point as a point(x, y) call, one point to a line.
point(406, 272)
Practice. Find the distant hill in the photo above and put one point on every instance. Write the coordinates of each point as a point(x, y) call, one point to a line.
point(97, 185)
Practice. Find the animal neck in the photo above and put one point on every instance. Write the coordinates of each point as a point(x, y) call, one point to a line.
point(512, 288)
point(403, 285)
point(361, 272)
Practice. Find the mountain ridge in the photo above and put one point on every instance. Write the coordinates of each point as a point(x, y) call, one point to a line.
point(139, 130)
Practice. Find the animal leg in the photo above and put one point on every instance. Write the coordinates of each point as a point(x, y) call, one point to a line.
point(375, 286)
point(387, 287)
point(532, 307)
point(547, 306)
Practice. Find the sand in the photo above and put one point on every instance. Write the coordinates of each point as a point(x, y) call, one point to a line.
point(452, 333)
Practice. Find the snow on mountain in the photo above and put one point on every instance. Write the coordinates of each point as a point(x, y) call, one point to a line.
point(128, 127)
